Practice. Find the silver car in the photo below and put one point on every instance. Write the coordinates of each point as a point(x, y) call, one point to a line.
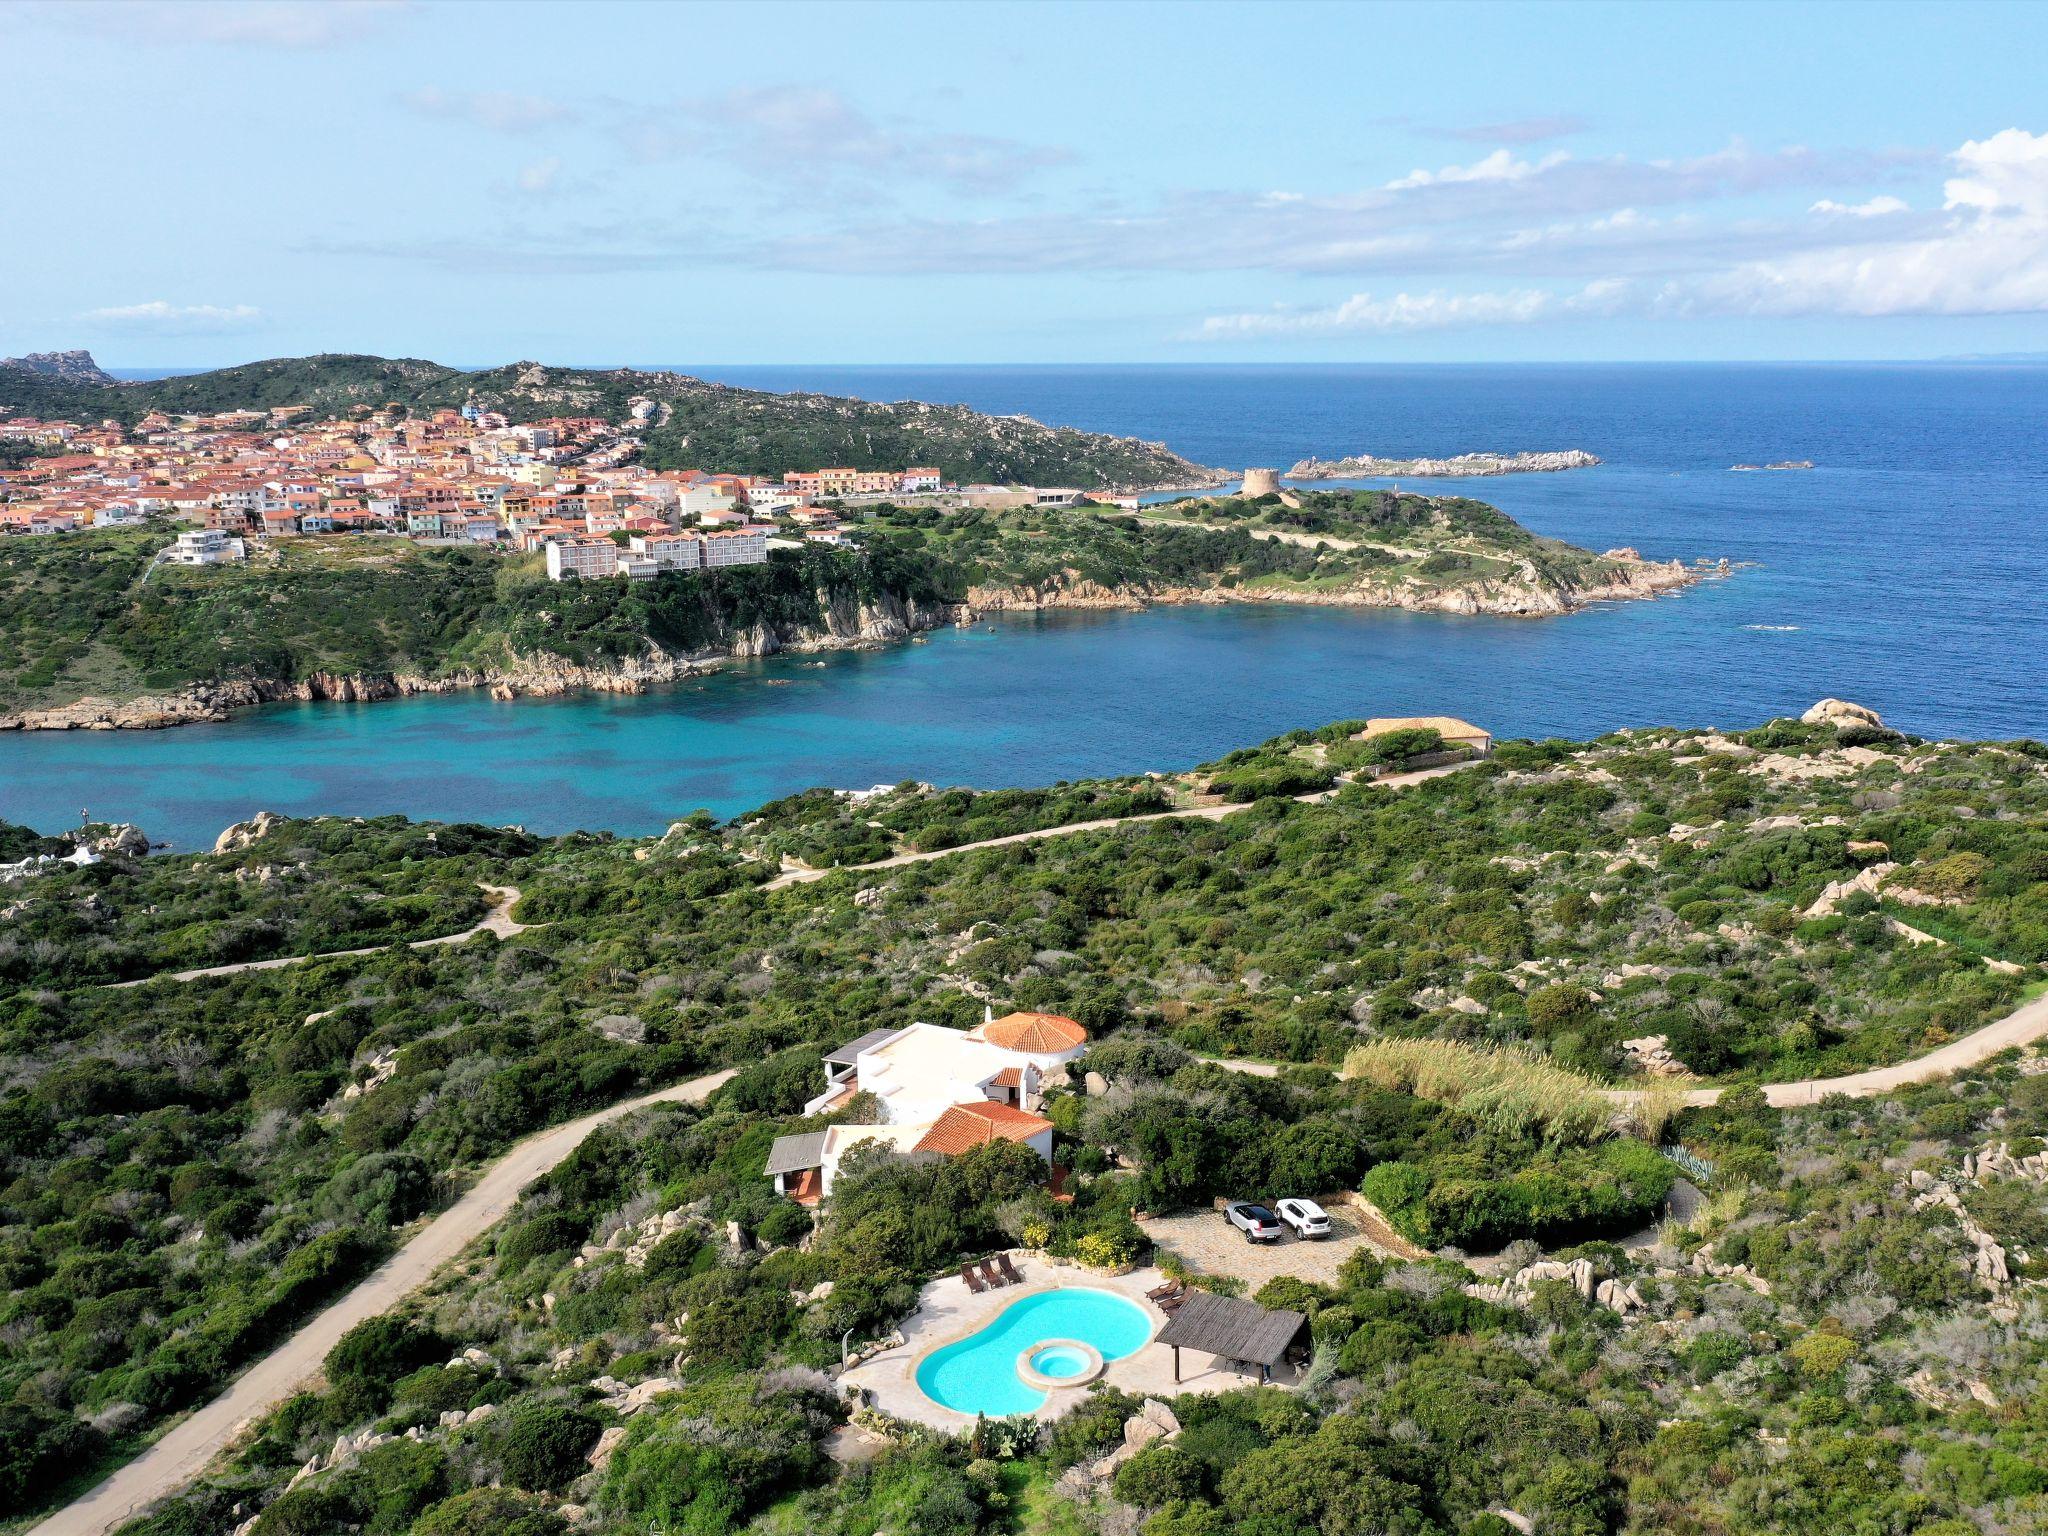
point(1258, 1224)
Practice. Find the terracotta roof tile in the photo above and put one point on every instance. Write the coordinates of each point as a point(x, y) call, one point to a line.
point(966, 1126)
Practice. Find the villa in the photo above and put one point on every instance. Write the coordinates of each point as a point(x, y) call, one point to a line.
point(936, 1091)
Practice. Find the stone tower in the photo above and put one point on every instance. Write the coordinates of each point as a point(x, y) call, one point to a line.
point(1261, 482)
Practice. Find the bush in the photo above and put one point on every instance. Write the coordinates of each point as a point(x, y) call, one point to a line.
point(489, 1512)
point(1159, 1474)
point(37, 1449)
point(380, 1350)
point(543, 1445)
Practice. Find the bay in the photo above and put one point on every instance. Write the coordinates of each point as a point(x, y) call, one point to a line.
point(1905, 572)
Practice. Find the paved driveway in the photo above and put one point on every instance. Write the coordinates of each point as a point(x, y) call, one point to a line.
point(1210, 1245)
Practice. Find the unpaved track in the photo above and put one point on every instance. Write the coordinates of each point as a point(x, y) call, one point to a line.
point(2023, 1026)
point(498, 921)
point(185, 1451)
point(804, 876)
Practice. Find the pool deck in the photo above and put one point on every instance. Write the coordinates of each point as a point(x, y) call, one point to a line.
point(947, 1312)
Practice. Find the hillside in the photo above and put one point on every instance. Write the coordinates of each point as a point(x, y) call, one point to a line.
point(1448, 974)
point(699, 424)
point(91, 634)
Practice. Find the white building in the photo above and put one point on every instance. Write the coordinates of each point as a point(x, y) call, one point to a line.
point(581, 559)
point(675, 551)
point(206, 546)
point(736, 546)
point(936, 1090)
point(700, 499)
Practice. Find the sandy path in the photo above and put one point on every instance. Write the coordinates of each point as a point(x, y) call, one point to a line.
point(185, 1451)
point(804, 876)
point(498, 921)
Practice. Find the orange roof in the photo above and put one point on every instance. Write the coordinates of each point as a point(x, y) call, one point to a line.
point(966, 1126)
point(1040, 1033)
point(1009, 1077)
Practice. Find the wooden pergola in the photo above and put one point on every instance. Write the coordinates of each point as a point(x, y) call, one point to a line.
point(1230, 1329)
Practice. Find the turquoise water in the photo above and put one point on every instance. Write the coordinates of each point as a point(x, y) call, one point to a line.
point(978, 1374)
point(1904, 573)
point(1060, 1362)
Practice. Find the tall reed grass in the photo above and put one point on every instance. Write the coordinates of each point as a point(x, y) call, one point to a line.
point(1508, 1091)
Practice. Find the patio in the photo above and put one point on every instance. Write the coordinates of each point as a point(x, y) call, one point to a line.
point(947, 1311)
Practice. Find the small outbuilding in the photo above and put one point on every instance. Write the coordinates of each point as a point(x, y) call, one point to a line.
point(1231, 1329)
point(1455, 732)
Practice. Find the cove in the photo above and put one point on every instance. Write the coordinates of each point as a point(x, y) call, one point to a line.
point(1021, 700)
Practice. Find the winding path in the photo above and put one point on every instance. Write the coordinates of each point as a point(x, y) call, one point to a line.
point(184, 1452)
point(498, 921)
point(804, 874)
point(2023, 1026)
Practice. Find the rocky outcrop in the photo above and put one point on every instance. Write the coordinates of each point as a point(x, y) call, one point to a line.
point(243, 833)
point(75, 367)
point(1839, 712)
point(1464, 466)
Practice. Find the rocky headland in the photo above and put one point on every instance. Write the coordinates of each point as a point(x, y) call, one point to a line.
point(1464, 466)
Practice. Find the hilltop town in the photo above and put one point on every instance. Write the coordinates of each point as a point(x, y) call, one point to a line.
point(569, 488)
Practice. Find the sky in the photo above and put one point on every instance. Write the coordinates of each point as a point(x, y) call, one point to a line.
point(207, 182)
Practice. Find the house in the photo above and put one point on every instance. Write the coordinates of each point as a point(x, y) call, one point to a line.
point(936, 1091)
point(1455, 732)
point(205, 546)
point(913, 481)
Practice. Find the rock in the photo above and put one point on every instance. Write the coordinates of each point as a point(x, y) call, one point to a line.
point(239, 836)
point(1652, 1053)
point(75, 366)
point(1158, 1413)
point(1840, 712)
point(600, 1455)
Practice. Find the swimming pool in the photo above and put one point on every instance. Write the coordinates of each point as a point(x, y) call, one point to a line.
point(1053, 1334)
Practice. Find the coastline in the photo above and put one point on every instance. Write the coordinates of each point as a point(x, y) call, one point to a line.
point(867, 627)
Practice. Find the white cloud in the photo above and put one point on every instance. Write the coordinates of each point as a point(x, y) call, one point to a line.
point(1501, 165)
point(1877, 207)
point(498, 111)
point(814, 135)
point(1987, 253)
point(539, 177)
point(1988, 257)
point(176, 319)
point(1435, 310)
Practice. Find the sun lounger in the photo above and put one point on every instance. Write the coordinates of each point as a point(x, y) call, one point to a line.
point(1161, 1292)
point(991, 1275)
point(972, 1277)
point(1009, 1269)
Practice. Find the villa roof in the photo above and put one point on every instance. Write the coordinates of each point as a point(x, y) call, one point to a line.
point(1447, 726)
point(1043, 1033)
point(966, 1126)
point(793, 1154)
point(1231, 1328)
point(843, 1057)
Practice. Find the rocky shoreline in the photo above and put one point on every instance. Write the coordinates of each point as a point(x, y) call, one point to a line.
point(1464, 466)
point(846, 626)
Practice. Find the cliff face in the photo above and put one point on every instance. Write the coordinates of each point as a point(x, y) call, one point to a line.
point(847, 622)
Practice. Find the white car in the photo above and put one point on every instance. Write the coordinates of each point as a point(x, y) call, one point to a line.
point(1306, 1217)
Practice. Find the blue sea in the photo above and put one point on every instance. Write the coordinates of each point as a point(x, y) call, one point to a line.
point(1905, 572)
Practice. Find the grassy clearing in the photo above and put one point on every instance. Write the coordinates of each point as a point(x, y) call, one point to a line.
point(1508, 1091)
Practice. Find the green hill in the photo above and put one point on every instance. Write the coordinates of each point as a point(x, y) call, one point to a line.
point(697, 424)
